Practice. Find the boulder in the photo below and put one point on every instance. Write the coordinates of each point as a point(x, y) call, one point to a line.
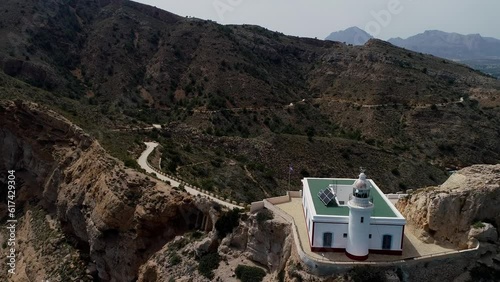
point(483, 232)
point(447, 212)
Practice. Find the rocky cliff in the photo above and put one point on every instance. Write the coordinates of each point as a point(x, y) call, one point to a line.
point(116, 217)
point(262, 243)
point(463, 208)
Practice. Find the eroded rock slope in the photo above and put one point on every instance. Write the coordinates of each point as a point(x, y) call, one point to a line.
point(116, 217)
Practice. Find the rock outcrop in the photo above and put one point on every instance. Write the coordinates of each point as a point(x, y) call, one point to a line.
point(448, 213)
point(118, 216)
point(265, 243)
point(269, 243)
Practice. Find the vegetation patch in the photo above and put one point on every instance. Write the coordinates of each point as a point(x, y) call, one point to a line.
point(249, 273)
point(366, 274)
point(478, 225)
point(208, 263)
point(175, 259)
point(264, 215)
point(484, 273)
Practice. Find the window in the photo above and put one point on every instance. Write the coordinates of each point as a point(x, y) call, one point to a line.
point(370, 236)
point(386, 242)
point(362, 219)
point(327, 239)
point(345, 235)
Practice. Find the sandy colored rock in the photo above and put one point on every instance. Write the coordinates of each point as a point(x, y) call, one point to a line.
point(447, 212)
point(269, 242)
point(486, 233)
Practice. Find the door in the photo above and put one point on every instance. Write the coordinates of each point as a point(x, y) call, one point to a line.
point(386, 242)
point(327, 239)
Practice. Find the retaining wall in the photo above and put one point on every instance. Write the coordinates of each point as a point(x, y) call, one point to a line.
point(326, 267)
point(256, 206)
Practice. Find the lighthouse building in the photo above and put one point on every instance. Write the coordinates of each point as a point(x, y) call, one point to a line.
point(352, 216)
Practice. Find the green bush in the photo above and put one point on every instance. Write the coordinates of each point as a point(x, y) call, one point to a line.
point(131, 163)
point(208, 263)
point(264, 215)
point(395, 172)
point(249, 273)
point(478, 225)
point(227, 222)
point(175, 259)
point(196, 234)
point(281, 276)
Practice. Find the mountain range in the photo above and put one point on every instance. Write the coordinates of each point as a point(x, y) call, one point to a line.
point(452, 46)
point(240, 103)
point(482, 53)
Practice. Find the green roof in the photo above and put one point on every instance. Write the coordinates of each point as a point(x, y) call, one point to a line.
point(381, 208)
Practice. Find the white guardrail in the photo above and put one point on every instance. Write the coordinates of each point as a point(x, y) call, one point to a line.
point(200, 190)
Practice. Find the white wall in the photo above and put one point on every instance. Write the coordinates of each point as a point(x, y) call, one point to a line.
point(279, 200)
point(343, 192)
point(308, 207)
point(338, 231)
point(308, 217)
point(378, 231)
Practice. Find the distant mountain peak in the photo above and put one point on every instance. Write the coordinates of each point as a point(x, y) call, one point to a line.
point(352, 35)
point(354, 28)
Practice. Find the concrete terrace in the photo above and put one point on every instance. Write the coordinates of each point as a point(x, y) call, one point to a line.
point(412, 247)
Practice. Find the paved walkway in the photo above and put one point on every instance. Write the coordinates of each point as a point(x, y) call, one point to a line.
point(412, 247)
point(143, 163)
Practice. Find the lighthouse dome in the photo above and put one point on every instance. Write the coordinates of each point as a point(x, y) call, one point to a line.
point(361, 182)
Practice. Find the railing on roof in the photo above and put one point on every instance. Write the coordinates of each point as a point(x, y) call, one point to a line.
point(361, 202)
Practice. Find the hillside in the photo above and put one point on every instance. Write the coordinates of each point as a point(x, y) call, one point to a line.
point(81, 214)
point(240, 103)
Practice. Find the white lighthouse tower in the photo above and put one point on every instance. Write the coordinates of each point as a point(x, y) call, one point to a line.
point(360, 208)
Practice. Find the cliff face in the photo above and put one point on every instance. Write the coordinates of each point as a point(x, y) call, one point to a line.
point(265, 244)
point(116, 216)
point(447, 213)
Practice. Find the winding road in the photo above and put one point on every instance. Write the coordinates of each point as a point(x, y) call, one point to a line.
point(143, 163)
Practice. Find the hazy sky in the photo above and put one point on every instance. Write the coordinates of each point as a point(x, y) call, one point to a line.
point(318, 18)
